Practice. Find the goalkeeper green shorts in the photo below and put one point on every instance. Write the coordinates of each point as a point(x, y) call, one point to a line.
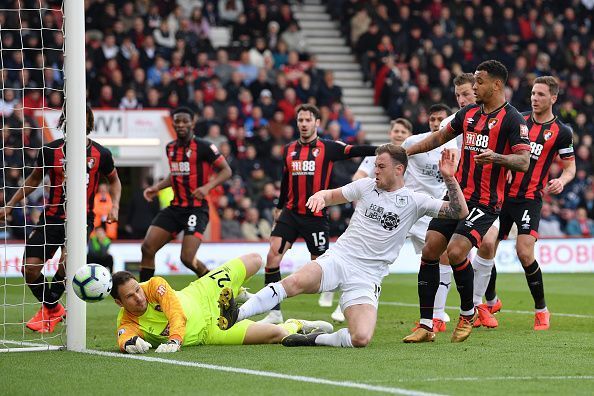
point(206, 291)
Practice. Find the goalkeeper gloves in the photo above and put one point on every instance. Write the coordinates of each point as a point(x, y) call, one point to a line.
point(170, 346)
point(137, 345)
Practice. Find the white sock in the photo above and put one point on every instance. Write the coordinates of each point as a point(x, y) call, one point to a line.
point(493, 301)
point(263, 301)
point(545, 309)
point(340, 338)
point(482, 274)
point(445, 280)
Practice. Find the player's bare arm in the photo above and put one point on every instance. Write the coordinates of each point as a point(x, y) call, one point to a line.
point(359, 175)
point(223, 173)
point(456, 207)
point(325, 198)
point(30, 185)
point(151, 192)
point(555, 186)
point(115, 191)
point(518, 162)
point(432, 141)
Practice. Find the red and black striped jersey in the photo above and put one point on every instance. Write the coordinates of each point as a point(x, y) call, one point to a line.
point(504, 131)
point(546, 141)
point(307, 169)
point(190, 166)
point(51, 159)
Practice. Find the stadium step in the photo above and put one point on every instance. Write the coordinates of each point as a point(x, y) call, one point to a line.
point(308, 8)
point(321, 33)
point(312, 16)
point(362, 109)
point(336, 58)
point(312, 2)
point(306, 24)
point(349, 83)
point(357, 91)
point(348, 75)
point(329, 49)
point(338, 66)
point(324, 40)
point(350, 100)
point(373, 119)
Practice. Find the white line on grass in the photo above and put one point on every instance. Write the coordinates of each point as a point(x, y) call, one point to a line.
point(401, 304)
point(300, 378)
point(526, 378)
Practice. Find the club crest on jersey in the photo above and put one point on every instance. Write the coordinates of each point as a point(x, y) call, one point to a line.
point(523, 131)
point(390, 221)
point(401, 202)
point(315, 152)
point(188, 153)
point(547, 134)
point(492, 123)
point(90, 162)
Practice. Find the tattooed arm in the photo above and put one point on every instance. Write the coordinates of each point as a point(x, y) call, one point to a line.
point(518, 162)
point(456, 207)
point(432, 141)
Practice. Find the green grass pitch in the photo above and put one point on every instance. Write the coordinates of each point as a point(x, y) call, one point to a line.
point(512, 359)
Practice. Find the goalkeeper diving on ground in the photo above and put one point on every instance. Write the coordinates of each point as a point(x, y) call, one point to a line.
point(155, 315)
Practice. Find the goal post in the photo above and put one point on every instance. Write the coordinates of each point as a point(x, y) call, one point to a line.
point(76, 175)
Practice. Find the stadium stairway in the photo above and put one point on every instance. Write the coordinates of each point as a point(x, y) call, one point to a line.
point(325, 41)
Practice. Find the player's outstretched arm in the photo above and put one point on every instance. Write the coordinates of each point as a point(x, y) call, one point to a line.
point(555, 186)
point(223, 173)
point(432, 141)
point(518, 162)
point(456, 207)
point(151, 192)
point(325, 198)
point(31, 183)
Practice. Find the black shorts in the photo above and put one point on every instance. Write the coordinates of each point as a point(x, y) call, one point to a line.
point(474, 226)
point(192, 221)
point(315, 230)
point(47, 236)
point(524, 212)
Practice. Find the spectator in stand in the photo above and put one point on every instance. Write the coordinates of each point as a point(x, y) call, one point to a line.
point(130, 101)
point(255, 121)
point(253, 227)
point(102, 209)
point(549, 225)
point(581, 226)
point(260, 83)
point(230, 11)
point(294, 38)
point(214, 136)
point(349, 126)
point(288, 105)
point(267, 104)
point(329, 93)
point(256, 181)
point(587, 202)
point(267, 202)
point(230, 226)
point(247, 70)
point(98, 249)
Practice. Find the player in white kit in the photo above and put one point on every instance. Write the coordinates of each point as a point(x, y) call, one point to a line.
point(360, 258)
point(400, 130)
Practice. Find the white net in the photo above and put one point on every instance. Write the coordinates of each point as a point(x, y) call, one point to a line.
point(32, 59)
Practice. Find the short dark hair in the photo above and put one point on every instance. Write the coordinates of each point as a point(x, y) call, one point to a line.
point(90, 118)
point(464, 78)
point(311, 108)
point(437, 107)
point(183, 110)
point(118, 279)
point(397, 153)
point(550, 82)
point(494, 69)
point(402, 121)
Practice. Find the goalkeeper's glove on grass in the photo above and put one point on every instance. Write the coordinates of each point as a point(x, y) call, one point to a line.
point(137, 345)
point(168, 347)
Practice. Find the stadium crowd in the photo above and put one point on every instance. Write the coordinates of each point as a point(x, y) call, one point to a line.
point(158, 54)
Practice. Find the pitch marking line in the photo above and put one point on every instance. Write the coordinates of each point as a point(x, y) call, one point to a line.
point(526, 378)
point(300, 378)
point(400, 304)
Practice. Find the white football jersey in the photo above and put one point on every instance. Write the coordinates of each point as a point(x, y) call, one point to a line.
point(380, 224)
point(445, 122)
point(368, 166)
point(422, 173)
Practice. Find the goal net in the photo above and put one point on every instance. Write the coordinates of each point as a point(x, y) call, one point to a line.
point(37, 78)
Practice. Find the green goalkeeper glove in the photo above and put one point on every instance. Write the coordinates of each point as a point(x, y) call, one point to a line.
point(137, 345)
point(168, 347)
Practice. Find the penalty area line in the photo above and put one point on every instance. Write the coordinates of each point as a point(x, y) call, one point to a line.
point(519, 378)
point(269, 374)
point(569, 315)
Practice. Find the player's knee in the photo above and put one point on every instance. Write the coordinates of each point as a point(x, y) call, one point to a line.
point(525, 255)
point(187, 258)
point(456, 254)
point(429, 252)
point(360, 339)
point(488, 248)
point(252, 261)
point(147, 250)
point(293, 285)
point(31, 272)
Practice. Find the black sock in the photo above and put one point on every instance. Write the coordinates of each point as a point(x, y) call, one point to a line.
point(464, 277)
point(490, 294)
point(272, 275)
point(146, 274)
point(428, 283)
point(56, 289)
point(39, 288)
point(534, 279)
